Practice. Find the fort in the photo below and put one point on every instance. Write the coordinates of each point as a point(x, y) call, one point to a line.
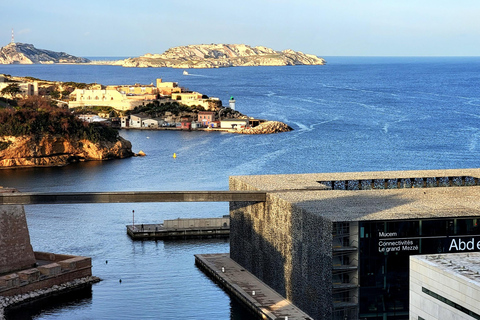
point(23, 270)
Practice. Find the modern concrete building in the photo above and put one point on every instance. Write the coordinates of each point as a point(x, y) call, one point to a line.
point(338, 244)
point(445, 286)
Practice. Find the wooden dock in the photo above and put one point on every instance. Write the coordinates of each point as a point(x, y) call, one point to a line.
point(182, 229)
point(260, 298)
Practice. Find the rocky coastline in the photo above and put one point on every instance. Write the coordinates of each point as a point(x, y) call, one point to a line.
point(25, 53)
point(49, 150)
point(6, 302)
point(182, 57)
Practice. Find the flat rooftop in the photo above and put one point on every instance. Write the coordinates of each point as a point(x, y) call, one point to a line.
point(382, 195)
point(460, 264)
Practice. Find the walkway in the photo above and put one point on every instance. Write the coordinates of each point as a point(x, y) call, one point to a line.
point(262, 299)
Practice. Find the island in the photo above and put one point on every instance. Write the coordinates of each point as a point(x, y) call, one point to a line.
point(24, 53)
point(184, 57)
point(220, 56)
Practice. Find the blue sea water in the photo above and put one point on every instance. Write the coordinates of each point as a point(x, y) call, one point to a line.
point(353, 114)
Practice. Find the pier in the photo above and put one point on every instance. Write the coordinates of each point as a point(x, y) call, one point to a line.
point(181, 229)
point(260, 298)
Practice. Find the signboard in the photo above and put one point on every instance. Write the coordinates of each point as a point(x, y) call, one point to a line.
point(388, 242)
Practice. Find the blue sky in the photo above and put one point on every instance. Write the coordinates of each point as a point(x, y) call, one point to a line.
point(320, 27)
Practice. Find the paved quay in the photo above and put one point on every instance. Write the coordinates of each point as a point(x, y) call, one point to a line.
point(260, 298)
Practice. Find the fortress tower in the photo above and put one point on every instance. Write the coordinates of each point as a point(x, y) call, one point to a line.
point(16, 252)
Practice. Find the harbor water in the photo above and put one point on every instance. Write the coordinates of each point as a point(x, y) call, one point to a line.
point(353, 114)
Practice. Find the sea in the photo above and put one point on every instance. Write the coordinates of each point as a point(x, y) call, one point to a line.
point(352, 114)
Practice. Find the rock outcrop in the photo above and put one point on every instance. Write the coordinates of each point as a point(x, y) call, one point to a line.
point(24, 53)
point(27, 151)
point(221, 55)
point(266, 128)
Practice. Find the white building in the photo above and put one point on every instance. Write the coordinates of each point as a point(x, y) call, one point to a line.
point(91, 118)
point(107, 98)
point(233, 123)
point(446, 286)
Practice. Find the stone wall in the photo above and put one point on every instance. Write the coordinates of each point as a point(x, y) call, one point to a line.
point(286, 247)
point(55, 270)
point(15, 249)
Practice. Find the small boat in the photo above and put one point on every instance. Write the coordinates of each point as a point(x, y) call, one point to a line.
point(185, 73)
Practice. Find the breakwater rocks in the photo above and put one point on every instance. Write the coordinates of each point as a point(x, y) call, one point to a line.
point(266, 128)
point(50, 150)
point(6, 302)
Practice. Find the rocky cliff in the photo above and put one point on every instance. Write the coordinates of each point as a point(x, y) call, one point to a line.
point(221, 55)
point(24, 53)
point(48, 150)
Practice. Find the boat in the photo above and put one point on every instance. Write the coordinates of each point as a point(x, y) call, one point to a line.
point(185, 73)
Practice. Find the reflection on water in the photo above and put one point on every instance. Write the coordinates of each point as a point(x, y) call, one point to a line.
point(67, 302)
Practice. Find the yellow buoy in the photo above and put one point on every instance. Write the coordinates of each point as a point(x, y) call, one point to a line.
point(174, 155)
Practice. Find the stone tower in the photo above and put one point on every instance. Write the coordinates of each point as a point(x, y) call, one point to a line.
point(16, 252)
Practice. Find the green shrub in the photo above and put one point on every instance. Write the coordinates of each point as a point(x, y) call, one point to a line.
point(35, 116)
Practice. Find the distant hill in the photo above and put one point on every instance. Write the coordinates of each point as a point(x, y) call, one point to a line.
point(24, 53)
point(221, 55)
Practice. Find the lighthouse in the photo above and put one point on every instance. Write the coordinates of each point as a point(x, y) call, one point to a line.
point(231, 103)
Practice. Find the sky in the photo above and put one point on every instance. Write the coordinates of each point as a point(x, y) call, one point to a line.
point(120, 28)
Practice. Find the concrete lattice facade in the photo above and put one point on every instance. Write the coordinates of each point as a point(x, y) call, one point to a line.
point(338, 244)
point(288, 248)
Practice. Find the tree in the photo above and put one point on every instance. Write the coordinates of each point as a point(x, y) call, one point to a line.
point(12, 89)
point(55, 94)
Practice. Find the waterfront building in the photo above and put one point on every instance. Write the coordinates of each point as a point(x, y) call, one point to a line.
point(234, 123)
point(446, 286)
point(338, 244)
point(150, 123)
point(206, 117)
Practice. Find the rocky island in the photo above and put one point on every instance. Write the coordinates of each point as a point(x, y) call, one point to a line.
point(219, 56)
point(183, 57)
point(24, 53)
